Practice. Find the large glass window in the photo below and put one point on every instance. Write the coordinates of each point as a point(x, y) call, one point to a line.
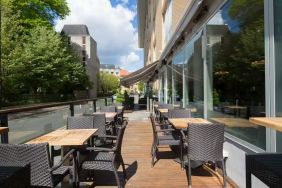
point(278, 64)
point(236, 69)
point(169, 84)
point(193, 75)
point(177, 66)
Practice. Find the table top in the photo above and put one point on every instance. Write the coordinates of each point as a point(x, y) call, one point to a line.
point(107, 114)
point(235, 107)
point(70, 137)
point(120, 107)
point(4, 130)
point(182, 123)
point(270, 122)
point(165, 110)
point(234, 122)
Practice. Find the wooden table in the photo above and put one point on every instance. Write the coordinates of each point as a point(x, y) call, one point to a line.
point(4, 130)
point(109, 115)
point(182, 123)
point(70, 137)
point(120, 107)
point(234, 122)
point(237, 109)
point(165, 110)
point(270, 122)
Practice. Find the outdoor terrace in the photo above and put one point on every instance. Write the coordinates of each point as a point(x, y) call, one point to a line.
point(136, 148)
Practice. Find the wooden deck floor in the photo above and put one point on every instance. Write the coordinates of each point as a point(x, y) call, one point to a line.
point(165, 174)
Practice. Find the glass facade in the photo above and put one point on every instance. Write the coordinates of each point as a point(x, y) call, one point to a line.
point(193, 75)
point(177, 66)
point(278, 64)
point(169, 84)
point(234, 56)
point(236, 69)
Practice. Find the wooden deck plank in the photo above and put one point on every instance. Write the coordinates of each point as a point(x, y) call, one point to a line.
point(166, 173)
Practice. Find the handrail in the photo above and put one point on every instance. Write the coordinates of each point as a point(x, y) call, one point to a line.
point(47, 105)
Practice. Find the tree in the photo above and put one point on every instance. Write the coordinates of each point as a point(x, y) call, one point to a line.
point(32, 13)
point(141, 86)
point(35, 58)
point(43, 63)
point(109, 83)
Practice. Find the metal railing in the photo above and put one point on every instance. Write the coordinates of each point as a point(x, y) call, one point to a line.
point(28, 122)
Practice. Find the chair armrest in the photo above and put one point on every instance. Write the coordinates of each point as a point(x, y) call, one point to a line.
point(165, 130)
point(62, 160)
point(108, 136)
point(101, 149)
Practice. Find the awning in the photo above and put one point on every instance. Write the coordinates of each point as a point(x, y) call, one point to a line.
point(144, 74)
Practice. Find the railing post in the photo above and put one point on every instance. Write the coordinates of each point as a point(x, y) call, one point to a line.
point(94, 105)
point(4, 123)
point(106, 102)
point(72, 109)
point(112, 99)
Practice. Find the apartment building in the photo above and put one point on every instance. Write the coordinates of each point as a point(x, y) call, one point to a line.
point(110, 69)
point(223, 58)
point(86, 47)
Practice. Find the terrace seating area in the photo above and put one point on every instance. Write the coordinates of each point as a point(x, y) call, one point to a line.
point(107, 149)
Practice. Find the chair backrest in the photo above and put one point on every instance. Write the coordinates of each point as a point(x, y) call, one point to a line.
point(37, 155)
point(120, 139)
point(153, 123)
point(205, 141)
point(80, 122)
point(167, 106)
point(179, 113)
point(108, 109)
point(99, 122)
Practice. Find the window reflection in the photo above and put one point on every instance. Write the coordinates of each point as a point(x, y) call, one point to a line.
point(278, 64)
point(236, 68)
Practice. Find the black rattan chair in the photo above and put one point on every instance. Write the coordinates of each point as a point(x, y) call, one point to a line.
point(161, 140)
point(105, 159)
point(108, 109)
point(203, 142)
point(80, 122)
point(179, 113)
point(37, 155)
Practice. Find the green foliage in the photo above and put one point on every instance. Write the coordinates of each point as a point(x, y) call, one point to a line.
point(141, 86)
point(109, 83)
point(34, 13)
point(120, 96)
point(36, 59)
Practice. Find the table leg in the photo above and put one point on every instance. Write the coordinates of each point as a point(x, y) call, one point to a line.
point(4, 138)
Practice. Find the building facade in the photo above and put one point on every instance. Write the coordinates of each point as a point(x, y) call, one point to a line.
point(222, 57)
point(86, 48)
point(110, 69)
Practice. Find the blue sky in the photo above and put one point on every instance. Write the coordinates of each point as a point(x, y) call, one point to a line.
point(113, 24)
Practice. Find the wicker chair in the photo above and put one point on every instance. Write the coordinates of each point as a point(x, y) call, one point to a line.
point(108, 109)
point(105, 159)
point(204, 142)
point(80, 122)
point(37, 155)
point(161, 140)
point(179, 113)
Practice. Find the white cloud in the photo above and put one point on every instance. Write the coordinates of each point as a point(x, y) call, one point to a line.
point(111, 26)
point(124, 1)
point(217, 19)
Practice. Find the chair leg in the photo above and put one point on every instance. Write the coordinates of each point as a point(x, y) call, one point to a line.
point(224, 172)
point(123, 170)
point(154, 156)
point(117, 177)
point(189, 174)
